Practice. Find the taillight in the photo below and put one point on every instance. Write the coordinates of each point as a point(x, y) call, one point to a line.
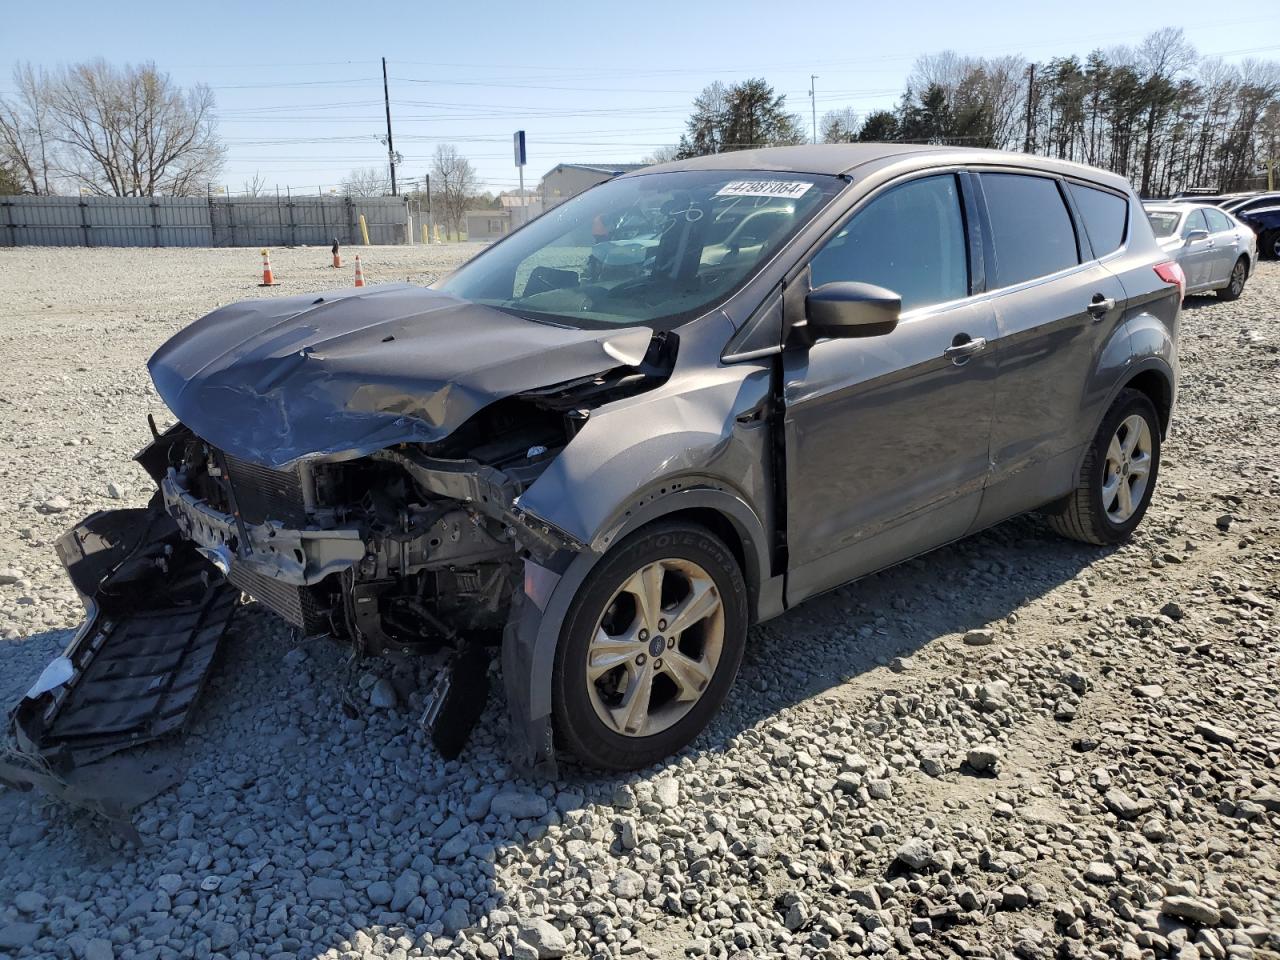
point(1171, 272)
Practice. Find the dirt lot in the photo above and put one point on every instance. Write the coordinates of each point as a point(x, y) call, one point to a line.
point(1096, 776)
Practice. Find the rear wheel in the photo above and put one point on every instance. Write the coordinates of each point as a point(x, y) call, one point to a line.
point(1235, 283)
point(1118, 475)
point(1269, 244)
point(650, 648)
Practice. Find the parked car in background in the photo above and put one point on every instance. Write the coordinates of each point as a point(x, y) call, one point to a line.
point(1254, 201)
point(1260, 213)
point(678, 404)
point(1216, 199)
point(1265, 223)
point(1217, 252)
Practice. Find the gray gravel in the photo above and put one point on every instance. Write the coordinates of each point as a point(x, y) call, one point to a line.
point(1016, 746)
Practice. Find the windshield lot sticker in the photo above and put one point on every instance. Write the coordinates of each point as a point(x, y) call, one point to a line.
point(790, 189)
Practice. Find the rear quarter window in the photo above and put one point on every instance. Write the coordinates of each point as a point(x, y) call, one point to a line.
point(1030, 227)
point(1105, 217)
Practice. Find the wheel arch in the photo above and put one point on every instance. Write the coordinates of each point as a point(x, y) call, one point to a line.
point(1157, 385)
point(539, 611)
point(711, 504)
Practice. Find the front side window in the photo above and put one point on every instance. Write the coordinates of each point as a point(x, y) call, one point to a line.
point(1030, 227)
point(1195, 221)
point(910, 240)
point(1105, 217)
point(1218, 221)
point(655, 249)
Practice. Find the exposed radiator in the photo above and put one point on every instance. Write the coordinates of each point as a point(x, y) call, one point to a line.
point(264, 494)
point(298, 605)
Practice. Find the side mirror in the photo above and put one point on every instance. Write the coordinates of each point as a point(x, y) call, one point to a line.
point(847, 309)
point(1193, 235)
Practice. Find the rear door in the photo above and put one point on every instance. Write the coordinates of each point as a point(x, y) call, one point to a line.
point(1224, 246)
point(1056, 308)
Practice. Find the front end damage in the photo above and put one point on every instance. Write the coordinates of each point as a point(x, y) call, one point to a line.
point(412, 549)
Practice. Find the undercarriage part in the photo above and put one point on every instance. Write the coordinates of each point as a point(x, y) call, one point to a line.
point(457, 700)
point(157, 613)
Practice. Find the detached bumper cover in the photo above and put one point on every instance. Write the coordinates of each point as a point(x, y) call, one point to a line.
point(157, 613)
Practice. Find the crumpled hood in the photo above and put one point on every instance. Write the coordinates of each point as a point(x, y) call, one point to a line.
point(348, 372)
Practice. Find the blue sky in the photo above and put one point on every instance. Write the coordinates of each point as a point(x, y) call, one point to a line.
point(299, 86)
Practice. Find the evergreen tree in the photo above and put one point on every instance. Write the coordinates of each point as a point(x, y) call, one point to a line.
point(881, 126)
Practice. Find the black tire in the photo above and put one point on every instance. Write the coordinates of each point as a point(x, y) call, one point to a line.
point(1235, 284)
point(1082, 515)
point(1269, 245)
point(582, 731)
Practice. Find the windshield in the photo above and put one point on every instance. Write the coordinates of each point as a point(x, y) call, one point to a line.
point(1163, 222)
point(652, 250)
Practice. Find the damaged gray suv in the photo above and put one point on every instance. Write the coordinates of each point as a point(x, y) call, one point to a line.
point(672, 407)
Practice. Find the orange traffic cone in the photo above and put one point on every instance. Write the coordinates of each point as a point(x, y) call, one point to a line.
point(359, 272)
point(337, 257)
point(268, 279)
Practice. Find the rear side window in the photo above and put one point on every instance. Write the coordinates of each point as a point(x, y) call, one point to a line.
point(1105, 216)
point(1030, 227)
point(1218, 221)
point(1195, 221)
point(909, 239)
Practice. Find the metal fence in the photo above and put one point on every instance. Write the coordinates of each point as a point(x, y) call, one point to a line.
point(196, 222)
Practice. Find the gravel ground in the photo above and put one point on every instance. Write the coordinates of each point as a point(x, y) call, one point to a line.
point(1014, 746)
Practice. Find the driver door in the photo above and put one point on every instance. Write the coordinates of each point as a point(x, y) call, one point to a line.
point(888, 438)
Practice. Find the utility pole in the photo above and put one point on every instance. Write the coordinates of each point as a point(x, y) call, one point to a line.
point(431, 226)
point(813, 103)
point(391, 148)
point(1031, 88)
point(1271, 164)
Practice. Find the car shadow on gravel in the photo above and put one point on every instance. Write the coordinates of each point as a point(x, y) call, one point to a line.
point(1198, 301)
point(881, 621)
point(299, 827)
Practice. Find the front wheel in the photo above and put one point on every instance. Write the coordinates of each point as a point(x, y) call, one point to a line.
point(1235, 284)
point(1117, 477)
point(650, 647)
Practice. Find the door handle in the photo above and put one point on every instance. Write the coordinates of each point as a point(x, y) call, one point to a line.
point(959, 353)
point(1100, 306)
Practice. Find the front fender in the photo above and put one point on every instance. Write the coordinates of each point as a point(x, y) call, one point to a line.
point(707, 423)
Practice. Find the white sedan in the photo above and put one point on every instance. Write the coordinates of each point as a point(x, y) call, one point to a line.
point(1215, 250)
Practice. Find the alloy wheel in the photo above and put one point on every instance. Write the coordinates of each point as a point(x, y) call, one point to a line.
point(655, 647)
point(1237, 279)
point(1127, 469)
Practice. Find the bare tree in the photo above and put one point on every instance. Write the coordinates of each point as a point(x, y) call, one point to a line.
point(26, 131)
point(366, 182)
point(457, 185)
point(664, 154)
point(131, 132)
point(1163, 55)
point(11, 182)
point(255, 187)
point(840, 126)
